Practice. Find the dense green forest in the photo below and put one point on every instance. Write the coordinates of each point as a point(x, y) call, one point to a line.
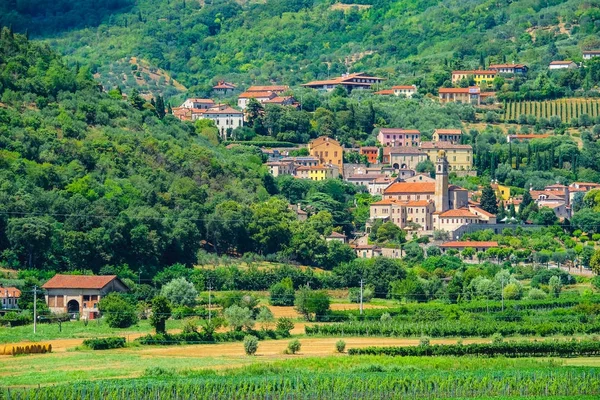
point(300, 40)
point(91, 181)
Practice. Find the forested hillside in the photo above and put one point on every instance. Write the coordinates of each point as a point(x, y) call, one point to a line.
point(295, 41)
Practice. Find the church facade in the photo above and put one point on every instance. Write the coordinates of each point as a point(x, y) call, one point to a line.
point(427, 206)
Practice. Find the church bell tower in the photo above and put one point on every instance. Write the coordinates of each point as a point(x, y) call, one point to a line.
point(441, 182)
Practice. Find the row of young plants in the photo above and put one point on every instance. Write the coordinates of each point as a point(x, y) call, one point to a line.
point(451, 329)
point(305, 385)
point(479, 306)
point(519, 349)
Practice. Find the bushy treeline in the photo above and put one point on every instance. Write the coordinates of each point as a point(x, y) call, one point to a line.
point(105, 343)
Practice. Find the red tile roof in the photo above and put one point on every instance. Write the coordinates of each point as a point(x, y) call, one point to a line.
point(448, 131)
point(399, 130)
point(566, 62)
point(470, 244)
point(445, 145)
point(474, 90)
point(227, 110)
point(460, 213)
point(410, 187)
point(405, 87)
point(529, 136)
point(257, 95)
point(385, 92)
point(473, 72)
point(483, 212)
point(271, 88)
point(78, 281)
point(493, 66)
point(335, 234)
point(9, 292)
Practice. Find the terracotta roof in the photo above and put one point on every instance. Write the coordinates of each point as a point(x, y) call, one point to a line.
point(492, 66)
point(418, 203)
point(405, 87)
point(224, 85)
point(271, 88)
point(9, 292)
point(470, 244)
point(257, 95)
point(79, 281)
point(406, 150)
point(201, 100)
point(345, 80)
point(474, 90)
point(365, 247)
point(366, 177)
point(566, 62)
point(457, 214)
point(481, 211)
point(591, 52)
point(410, 187)
point(370, 148)
point(384, 202)
point(448, 131)
point(279, 99)
point(227, 110)
point(335, 234)
point(385, 92)
point(529, 136)
point(399, 130)
point(445, 145)
point(473, 72)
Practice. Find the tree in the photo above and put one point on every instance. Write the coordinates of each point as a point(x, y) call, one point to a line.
point(545, 216)
point(250, 345)
point(488, 200)
point(294, 346)
point(238, 317)
point(595, 262)
point(117, 311)
point(311, 303)
point(30, 237)
point(282, 293)
point(254, 113)
point(265, 317)
point(180, 292)
point(161, 311)
point(390, 232)
point(555, 286)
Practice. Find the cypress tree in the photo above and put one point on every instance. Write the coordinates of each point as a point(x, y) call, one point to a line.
point(488, 200)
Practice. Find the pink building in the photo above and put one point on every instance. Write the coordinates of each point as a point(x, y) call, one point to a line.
point(395, 137)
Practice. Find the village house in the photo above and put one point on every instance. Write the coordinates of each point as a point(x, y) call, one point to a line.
point(223, 88)
point(470, 95)
point(277, 89)
point(349, 82)
point(336, 237)
point(422, 177)
point(226, 119)
point(460, 246)
point(525, 137)
point(404, 90)
point(283, 101)
point(589, 54)
point(367, 251)
point(183, 114)
point(581, 187)
point(318, 173)
point(79, 295)
point(479, 76)
point(509, 68)
point(562, 65)
point(277, 168)
point(9, 298)
point(302, 161)
point(371, 152)
point(261, 97)
point(555, 197)
point(328, 151)
point(375, 183)
point(301, 215)
point(426, 206)
point(394, 137)
point(460, 156)
point(406, 157)
point(502, 191)
point(198, 104)
point(447, 135)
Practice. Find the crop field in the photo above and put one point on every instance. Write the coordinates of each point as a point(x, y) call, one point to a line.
point(566, 109)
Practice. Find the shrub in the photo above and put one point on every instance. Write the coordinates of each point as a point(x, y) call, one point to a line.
point(282, 293)
point(424, 341)
point(117, 311)
point(180, 292)
point(536, 294)
point(105, 343)
point(385, 317)
point(497, 338)
point(284, 326)
point(250, 344)
point(312, 302)
point(238, 317)
point(340, 346)
point(182, 312)
point(161, 311)
point(354, 294)
point(294, 346)
point(190, 326)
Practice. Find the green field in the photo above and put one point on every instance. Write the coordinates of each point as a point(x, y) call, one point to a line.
point(566, 109)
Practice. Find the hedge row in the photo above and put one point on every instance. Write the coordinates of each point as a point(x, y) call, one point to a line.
point(202, 337)
point(452, 329)
point(105, 343)
point(261, 143)
point(506, 349)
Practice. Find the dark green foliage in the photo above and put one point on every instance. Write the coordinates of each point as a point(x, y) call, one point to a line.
point(502, 349)
point(488, 200)
point(312, 303)
point(161, 311)
point(282, 293)
point(105, 343)
point(118, 312)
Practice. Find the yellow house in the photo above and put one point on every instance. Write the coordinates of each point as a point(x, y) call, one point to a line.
point(460, 156)
point(502, 191)
point(478, 76)
point(328, 151)
point(317, 173)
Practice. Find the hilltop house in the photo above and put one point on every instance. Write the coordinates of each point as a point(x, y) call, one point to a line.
point(226, 119)
point(198, 104)
point(479, 76)
point(358, 80)
point(447, 135)
point(562, 65)
point(261, 97)
point(460, 156)
point(509, 68)
point(405, 90)
point(524, 137)
point(589, 54)
point(9, 298)
point(318, 173)
point(277, 89)
point(79, 295)
point(224, 88)
point(336, 237)
point(470, 95)
point(399, 137)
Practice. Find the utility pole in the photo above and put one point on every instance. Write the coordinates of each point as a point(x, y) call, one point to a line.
point(209, 296)
point(34, 308)
point(361, 296)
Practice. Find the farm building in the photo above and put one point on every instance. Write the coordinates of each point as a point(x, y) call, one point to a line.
point(79, 295)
